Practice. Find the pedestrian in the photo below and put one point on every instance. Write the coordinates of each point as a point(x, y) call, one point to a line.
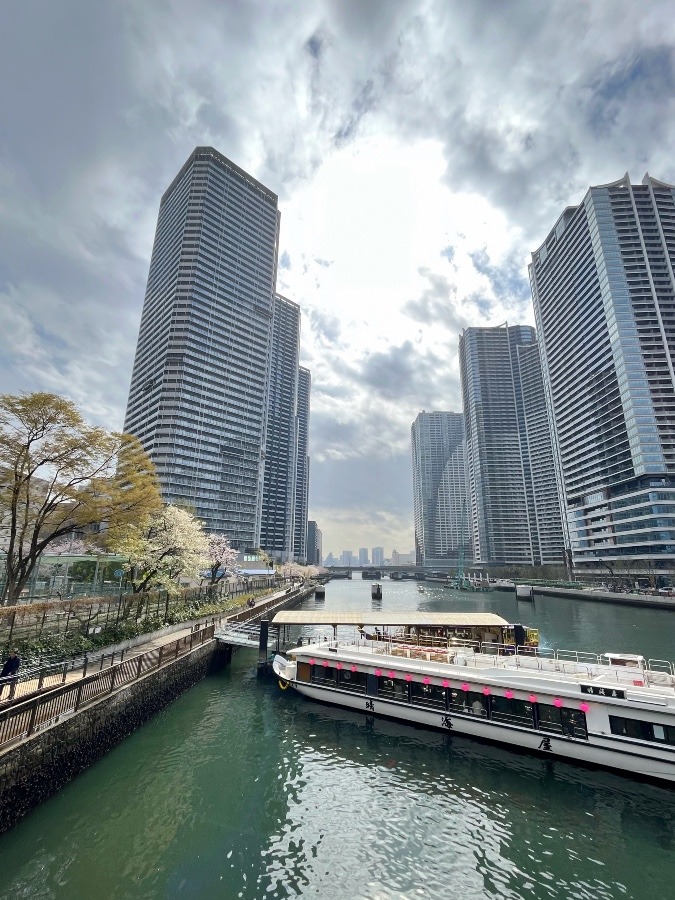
point(9, 670)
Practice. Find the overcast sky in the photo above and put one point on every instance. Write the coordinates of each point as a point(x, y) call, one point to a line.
point(420, 150)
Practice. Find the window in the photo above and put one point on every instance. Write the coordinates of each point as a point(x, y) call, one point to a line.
point(469, 703)
point(516, 712)
point(393, 689)
point(324, 675)
point(641, 730)
point(352, 681)
point(428, 695)
point(559, 720)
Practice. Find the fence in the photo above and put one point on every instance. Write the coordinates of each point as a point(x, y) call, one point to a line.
point(33, 715)
point(92, 614)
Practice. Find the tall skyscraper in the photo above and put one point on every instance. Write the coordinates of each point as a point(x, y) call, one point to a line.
point(603, 288)
point(439, 490)
point(377, 556)
point(494, 363)
point(302, 465)
point(277, 529)
point(204, 367)
point(314, 544)
point(363, 556)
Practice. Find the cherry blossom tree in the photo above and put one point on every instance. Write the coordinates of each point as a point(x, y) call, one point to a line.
point(161, 549)
point(221, 559)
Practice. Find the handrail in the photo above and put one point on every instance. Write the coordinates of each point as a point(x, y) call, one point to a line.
point(30, 716)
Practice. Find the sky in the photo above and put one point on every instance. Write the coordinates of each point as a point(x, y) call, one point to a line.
point(421, 151)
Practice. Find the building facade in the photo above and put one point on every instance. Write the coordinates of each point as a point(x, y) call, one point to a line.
point(377, 556)
point(302, 465)
point(363, 556)
point(314, 544)
point(277, 529)
point(603, 288)
point(442, 536)
point(501, 398)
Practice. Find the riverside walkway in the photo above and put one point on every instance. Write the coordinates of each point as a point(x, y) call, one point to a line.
point(58, 674)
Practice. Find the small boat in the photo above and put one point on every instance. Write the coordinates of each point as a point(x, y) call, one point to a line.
point(614, 710)
point(421, 589)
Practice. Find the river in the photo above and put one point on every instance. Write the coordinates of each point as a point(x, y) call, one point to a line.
point(238, 790)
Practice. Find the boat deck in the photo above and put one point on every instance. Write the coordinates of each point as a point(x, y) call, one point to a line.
point(570, 666)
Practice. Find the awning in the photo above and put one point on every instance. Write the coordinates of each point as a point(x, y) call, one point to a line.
point(394, 618)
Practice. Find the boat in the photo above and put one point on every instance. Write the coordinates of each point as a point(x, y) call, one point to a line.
point(421, 589)
point(376, 591)
point(613, 710)
point(524, 592)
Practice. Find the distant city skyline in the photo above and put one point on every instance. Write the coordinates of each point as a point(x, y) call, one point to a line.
point(416, 167)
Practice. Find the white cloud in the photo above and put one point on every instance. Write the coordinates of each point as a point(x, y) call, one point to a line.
point(420, 150)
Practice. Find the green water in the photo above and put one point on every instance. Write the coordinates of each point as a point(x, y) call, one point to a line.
point(240, 791)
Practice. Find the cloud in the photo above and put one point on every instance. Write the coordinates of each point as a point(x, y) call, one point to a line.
point(420, 150)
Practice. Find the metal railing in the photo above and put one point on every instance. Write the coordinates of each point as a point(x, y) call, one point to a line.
point(31, 716)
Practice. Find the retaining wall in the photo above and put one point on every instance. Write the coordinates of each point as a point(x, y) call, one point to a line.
point(34, 770)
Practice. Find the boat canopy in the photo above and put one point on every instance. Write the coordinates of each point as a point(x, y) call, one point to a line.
point(394, 618)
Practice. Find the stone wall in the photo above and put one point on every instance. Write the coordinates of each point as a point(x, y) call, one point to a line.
point(38, 767)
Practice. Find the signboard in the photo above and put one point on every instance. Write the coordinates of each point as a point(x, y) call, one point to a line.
point(597, 691)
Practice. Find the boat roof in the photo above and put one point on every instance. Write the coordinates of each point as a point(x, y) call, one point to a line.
point(402, 617)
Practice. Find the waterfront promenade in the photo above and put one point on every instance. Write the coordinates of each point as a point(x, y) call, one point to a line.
point(131, 649)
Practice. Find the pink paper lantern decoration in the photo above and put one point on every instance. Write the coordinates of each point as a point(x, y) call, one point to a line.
point(426, 679)
point(312, 661)
point(338, 666)
point(487, 691)
point(465, 686)
point(584, 707)
point(532, 698)
point(557, 702)
point(353, 668)
point(446, 683)
point(391, 674)
point(509, 695)
point(325, 663)
point(408, 676)
point(378, 672)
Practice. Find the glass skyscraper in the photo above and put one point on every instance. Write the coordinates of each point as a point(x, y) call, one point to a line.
point(439, 490)
point(512, 487)
point(302, 466)
point(199, 388)
point(281, 449)
point(604, 297)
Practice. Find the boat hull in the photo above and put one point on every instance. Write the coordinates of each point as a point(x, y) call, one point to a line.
point(596, 751)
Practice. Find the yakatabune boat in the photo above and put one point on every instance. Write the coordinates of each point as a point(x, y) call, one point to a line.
point(613, 710)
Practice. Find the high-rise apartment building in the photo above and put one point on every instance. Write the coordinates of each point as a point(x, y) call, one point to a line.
point(439, 490)
point(377, 556)
point(277, 530)
point(302, 465)
point(363, 556)
point(314, 544)
point(603, 287)
point(498, 371)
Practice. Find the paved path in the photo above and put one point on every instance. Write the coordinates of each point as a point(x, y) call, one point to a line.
point(55, 680)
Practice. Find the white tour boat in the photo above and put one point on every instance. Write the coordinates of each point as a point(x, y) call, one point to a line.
point(613, 710)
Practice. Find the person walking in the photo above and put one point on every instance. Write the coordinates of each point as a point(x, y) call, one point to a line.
point(8, 675)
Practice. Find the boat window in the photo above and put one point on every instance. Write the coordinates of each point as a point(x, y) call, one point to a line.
point(515, 712)
point(560, 720)
point(303, 671)
point(393, 688)
point(641, 730)
point(549, 718)
point(324, 674)
point(469, 702)
point(352, 681)
point(428, 695)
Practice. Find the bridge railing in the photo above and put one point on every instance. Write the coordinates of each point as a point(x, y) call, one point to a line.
point(31, 716)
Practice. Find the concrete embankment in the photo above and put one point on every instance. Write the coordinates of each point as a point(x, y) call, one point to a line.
point(49, 739)
point(648, 600)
